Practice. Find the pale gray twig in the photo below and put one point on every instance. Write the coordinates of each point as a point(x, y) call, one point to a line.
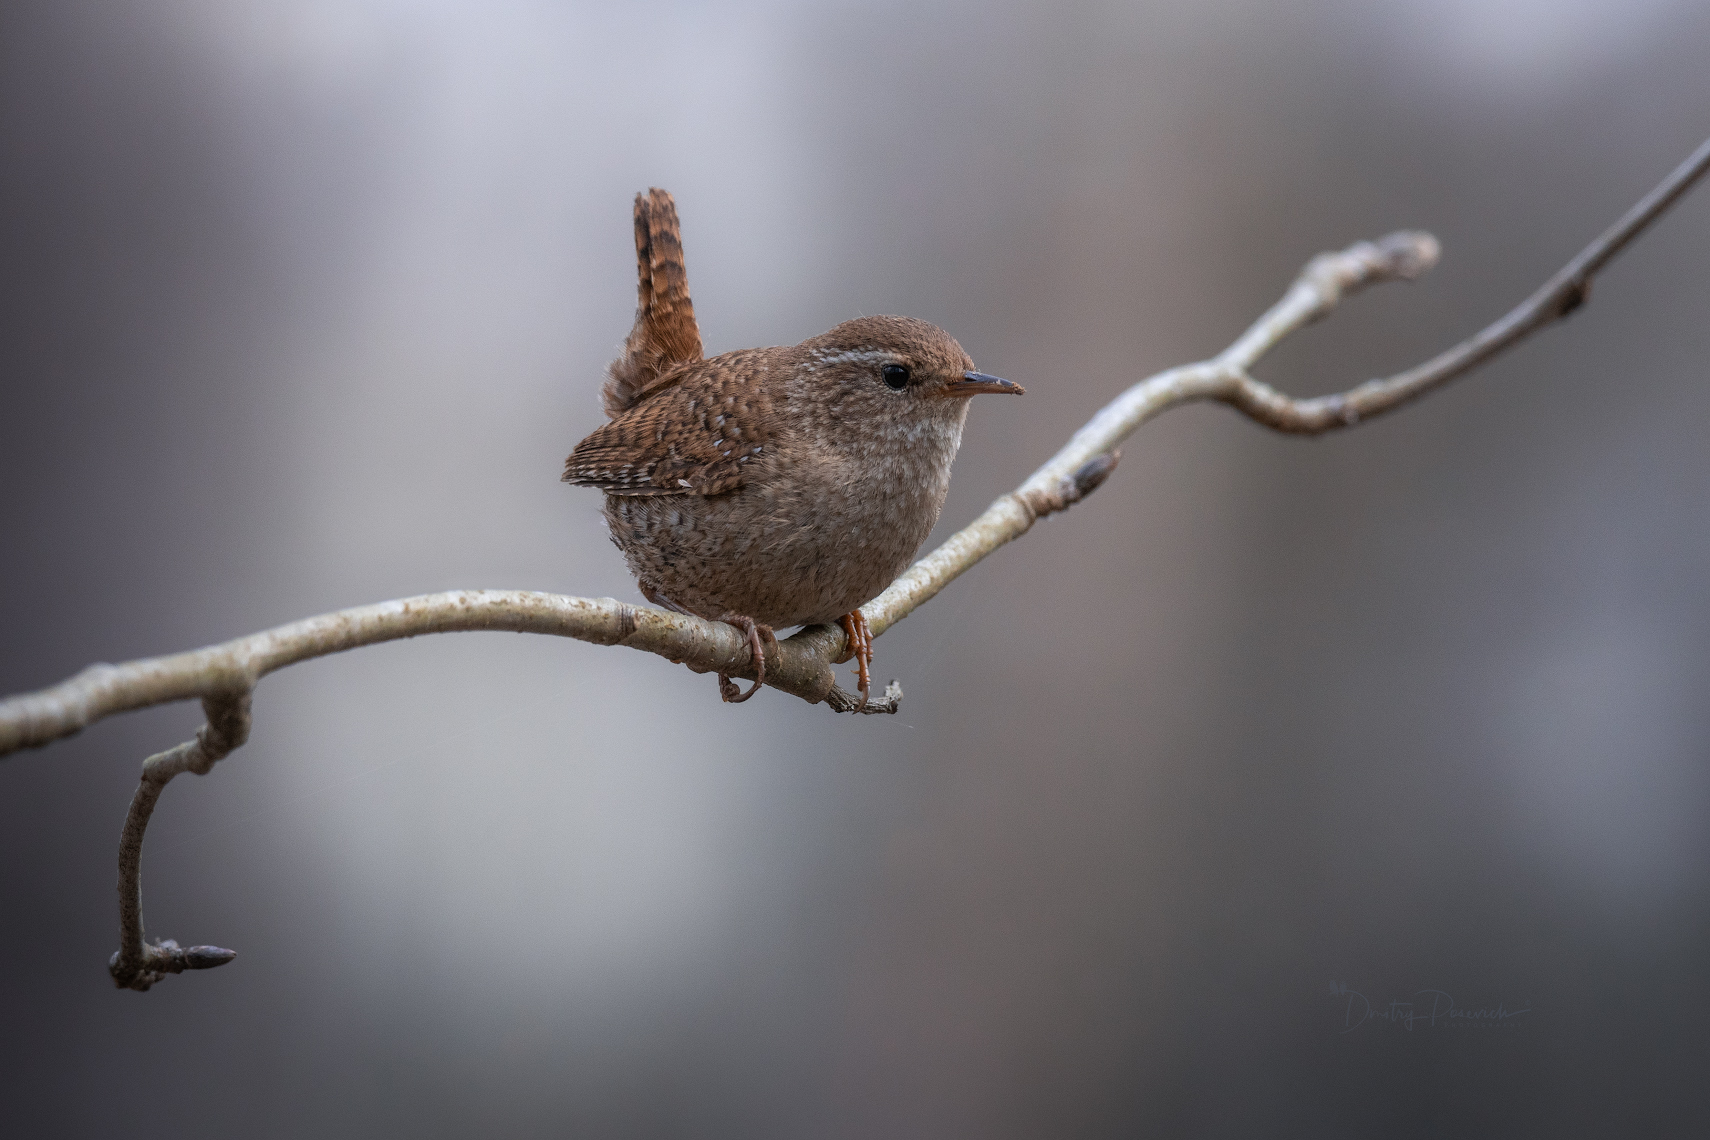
point(1325, 281)
point(137, 965)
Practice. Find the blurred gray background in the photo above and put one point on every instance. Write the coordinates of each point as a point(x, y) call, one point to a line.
point(303, 305)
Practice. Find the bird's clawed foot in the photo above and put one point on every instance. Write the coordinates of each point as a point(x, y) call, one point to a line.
point(759, 636)
point(860, 638)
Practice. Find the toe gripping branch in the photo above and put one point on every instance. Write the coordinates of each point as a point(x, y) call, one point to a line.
point(846, 702)
point(759, 636)
point(859, 642)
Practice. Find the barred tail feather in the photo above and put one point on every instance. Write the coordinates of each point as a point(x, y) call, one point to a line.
point(665, 336)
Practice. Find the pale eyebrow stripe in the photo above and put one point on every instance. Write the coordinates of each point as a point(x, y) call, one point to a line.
point(856, 356)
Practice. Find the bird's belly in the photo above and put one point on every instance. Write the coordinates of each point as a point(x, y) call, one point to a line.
point(796, 557)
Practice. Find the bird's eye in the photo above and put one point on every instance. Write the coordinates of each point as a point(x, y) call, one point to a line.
point(896, 377)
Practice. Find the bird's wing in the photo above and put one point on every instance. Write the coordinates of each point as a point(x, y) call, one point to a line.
point(665, 337)
point(699, 433)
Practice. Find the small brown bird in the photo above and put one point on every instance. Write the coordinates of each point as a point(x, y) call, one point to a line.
point(772, 487)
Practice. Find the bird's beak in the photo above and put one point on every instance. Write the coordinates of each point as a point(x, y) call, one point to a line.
point(974, 383)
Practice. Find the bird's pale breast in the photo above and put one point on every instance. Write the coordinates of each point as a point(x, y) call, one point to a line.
point(817, 533)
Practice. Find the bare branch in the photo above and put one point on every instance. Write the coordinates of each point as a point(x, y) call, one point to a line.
point(101, 690)
point(224, 676)
point(1325, 281)
point(1555, 299)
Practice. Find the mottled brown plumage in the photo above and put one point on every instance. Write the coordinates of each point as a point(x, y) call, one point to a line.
point(771, 487)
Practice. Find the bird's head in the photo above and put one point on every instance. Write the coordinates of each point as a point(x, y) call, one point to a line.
point(897, 373)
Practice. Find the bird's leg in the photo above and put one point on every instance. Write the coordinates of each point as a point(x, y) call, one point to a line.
point(758, 637)
point(653, 594)
point(854, 625)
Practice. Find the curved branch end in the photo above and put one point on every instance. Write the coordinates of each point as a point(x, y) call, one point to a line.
point(163, 958)
point(843, 702)
point(1407, 255)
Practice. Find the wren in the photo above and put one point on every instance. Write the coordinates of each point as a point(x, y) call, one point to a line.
point(772, 487)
